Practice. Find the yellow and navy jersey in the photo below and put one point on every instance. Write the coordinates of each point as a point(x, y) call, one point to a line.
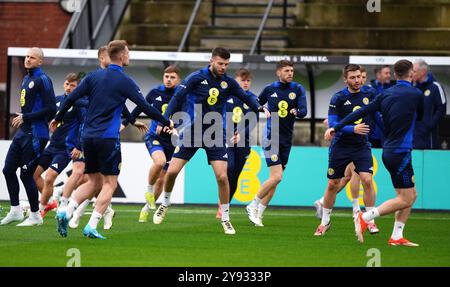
point(237, 110)
point(400, 107)
point(67, 130)
point(281, 98)
point(158, 98)
point(108, 89)
point(342, 104)
point(37, 103)
point(202, 89)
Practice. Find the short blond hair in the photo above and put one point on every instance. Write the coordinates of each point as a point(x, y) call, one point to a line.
point(116, 47)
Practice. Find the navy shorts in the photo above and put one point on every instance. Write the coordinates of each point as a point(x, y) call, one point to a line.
point(102, 155)
point(400, 167)
point(340, 157)
point(24, 152)
point(212, 153)
point(276, 157)
point(154, 143)
point(54, 158)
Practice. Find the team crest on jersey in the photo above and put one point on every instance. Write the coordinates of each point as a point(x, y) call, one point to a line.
point(224, 85)
point(274, 157)
point(155, 142)
point(366, 101)
point(292, 96)
point(31, 85)
point(427, 93)
point(330, 171)
point(22, 97)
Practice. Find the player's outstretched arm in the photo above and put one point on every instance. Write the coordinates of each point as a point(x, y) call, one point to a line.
point(358, 114)
point(250, 101)
point(133, 93)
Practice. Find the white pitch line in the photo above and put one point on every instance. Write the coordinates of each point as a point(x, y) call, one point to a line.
point(312, 214)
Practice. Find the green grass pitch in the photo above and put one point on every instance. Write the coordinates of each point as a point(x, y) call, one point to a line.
point(192, 236)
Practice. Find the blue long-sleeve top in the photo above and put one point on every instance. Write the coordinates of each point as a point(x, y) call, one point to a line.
point(69, 126)
point(203, 88)
point(73, 138)
point(375, 121)
point(37, 103)
point(237, 110)
point(158, 98)
point(108, 90)
point(342, 104)
point(281, 98)
point(400, 107)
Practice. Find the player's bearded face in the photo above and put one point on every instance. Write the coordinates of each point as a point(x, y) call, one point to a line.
point(353, 80)
point(170, 80)
point(286, 74)
point(219, 66)
point(385, 75)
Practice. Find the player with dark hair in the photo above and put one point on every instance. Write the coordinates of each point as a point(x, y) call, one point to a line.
point(205, 93)
point(351, 176)
point(288, 99)
point(158, 143)
point(37, 103)
point(400, 106)
point(351, 145)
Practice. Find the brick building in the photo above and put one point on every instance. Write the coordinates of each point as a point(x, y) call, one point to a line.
point(26, 23)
